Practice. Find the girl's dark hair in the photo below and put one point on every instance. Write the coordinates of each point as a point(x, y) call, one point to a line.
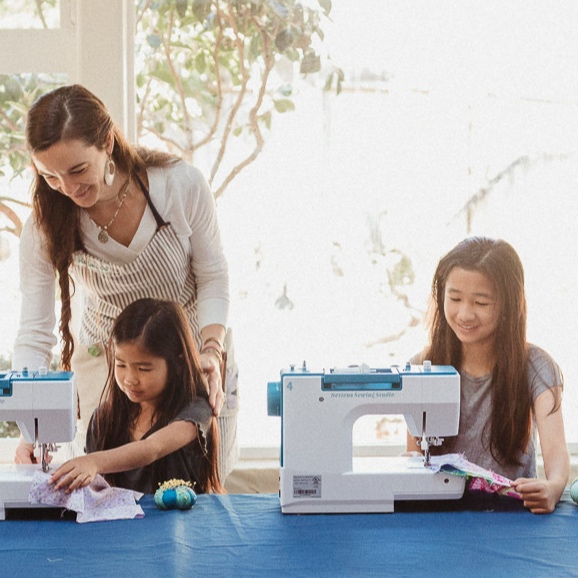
point(510, 422)
point(72, 113)
point(163, 330)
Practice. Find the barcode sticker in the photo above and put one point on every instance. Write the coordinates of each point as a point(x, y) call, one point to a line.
point(306, 486)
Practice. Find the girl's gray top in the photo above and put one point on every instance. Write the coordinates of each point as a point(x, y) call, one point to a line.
point(475, 410)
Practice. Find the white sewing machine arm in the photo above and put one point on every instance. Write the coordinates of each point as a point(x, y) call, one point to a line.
point(44, 405)
point(318, 411)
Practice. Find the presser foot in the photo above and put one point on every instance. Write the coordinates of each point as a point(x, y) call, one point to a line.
point(425, 444)
point(45, 450)
point(427, 458)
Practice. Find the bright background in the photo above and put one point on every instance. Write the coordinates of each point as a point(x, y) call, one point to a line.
point(441, 99)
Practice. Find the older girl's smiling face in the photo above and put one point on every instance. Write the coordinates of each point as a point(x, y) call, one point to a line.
point(471, 307)
point(76, 170)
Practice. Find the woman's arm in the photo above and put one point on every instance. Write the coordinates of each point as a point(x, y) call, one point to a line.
point(412, 445)
point(208, 259)
point(541, 496)
point(212, 351)
point(209, 265)
point(35, 338)
point(80, 472)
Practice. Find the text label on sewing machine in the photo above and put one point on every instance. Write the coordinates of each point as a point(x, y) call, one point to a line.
point(366, 394)
point(318, 411)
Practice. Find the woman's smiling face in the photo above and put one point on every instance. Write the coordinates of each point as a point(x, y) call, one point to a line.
point(75, 170)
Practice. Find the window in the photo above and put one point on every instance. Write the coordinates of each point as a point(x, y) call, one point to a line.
point(65, 43)
point(455, 119)
point(27, 14)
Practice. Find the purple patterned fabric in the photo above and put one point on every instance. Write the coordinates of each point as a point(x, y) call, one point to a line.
point(98, 502)
point(477, 478)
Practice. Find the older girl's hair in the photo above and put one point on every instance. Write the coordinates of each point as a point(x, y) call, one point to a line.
point(511, 419)
point(72, 113)
point(162, 329)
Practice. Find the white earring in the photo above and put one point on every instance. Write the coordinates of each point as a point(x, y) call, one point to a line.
point(109, 172)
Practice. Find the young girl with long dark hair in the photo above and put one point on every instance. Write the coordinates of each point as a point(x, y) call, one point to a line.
point(154, 422)
point(510, 389)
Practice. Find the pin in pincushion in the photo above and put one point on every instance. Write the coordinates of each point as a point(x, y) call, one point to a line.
point(574, 490)
point(175, 494)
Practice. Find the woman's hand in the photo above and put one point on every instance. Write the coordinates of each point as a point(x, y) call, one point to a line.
point(211, 365)
point(211, 352)
point(74, 474)
point(24, 453)
point(540, 496)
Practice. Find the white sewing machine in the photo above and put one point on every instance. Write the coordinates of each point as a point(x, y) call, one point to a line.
point(318, 411)
point(44, 405)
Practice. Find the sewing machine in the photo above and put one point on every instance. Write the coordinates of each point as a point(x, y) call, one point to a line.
point(318, 411)
point(44, 405)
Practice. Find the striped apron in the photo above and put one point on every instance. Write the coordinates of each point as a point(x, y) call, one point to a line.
point(162, 271)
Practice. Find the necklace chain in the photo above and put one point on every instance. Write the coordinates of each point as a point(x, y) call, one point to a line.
point(103, 235)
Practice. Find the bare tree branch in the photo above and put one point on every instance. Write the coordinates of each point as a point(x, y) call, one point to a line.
point(178, 83)
point(253, 120)
point(219, 104)
point(144, 100)
point(11, 125)
point(484, 192)
point(240, 96)
point(40, 13)
point(13, 217)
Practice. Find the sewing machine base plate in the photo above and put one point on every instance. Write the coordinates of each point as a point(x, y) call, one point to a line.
point(365, 492)
point(15, 482)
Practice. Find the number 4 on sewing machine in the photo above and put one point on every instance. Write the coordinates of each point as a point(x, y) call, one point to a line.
point(323, 406)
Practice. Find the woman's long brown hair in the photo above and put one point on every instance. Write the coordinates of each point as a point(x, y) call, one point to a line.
point(162, 329)
point(72, 113)
point(510, 422)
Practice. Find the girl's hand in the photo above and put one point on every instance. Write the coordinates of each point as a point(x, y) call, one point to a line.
point(24, 453)
point(74, 474)
point(212, 370)
point(540, 496)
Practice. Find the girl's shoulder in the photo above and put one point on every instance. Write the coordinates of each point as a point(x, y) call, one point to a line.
point(198, 411)
point(538, 356)
point(543, 371)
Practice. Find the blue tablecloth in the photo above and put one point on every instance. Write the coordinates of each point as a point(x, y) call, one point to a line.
point(246, 535)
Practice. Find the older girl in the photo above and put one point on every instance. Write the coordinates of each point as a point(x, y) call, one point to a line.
point(509, 387)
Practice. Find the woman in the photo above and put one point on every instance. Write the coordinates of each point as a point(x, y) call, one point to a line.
point(117, 223)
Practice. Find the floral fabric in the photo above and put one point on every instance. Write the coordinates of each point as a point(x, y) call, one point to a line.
point(95, 503)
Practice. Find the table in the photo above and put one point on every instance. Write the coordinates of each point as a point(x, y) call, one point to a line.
point(246, 535)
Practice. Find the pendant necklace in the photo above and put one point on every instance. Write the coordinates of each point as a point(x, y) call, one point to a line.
point(103, 233)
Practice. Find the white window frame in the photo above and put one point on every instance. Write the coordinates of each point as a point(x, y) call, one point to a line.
point(81, 48)
point(92, 30)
